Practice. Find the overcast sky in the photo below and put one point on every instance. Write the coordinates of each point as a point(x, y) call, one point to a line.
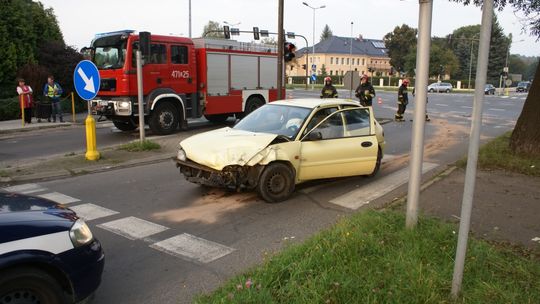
point(81, 19)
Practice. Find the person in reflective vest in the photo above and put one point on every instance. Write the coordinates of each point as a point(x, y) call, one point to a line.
point(25, 96)
point(365, 91)
point(328, 91)
point(403, 100)
point(52, 90)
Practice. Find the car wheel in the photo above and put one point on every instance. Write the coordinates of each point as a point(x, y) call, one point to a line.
point(377, 164)
point(32, 286)
point(253, 104)
point(217, 118)
point(124, 125)
point(431, 90)
point(164, 119)
point(276, 183)
point(447, 90)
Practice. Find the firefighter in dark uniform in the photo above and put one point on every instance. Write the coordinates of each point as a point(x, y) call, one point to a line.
point(328, 91)
point(427, 117)
point(365, 91)
point(403, 100)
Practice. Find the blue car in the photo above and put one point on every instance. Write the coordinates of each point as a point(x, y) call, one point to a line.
point(48, 254)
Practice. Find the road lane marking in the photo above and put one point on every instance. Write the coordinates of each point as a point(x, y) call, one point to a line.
point(369, 192)
point(466, 107)
point(441, 104)
point(59, 198)
point(386, 158)
point(495, 109)
point(132, 228)
point(25, 188)
point(192, 248)
point(90, 212)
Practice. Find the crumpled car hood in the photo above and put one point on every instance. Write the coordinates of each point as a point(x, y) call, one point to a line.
point(224, 147)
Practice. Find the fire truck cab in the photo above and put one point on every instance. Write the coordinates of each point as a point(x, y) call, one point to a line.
point(182, 78)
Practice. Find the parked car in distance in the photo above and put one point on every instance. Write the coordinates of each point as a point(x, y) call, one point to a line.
point(523, 86)
point(489, 89)
point(438, 87)
point(48, 254)
point(285, 143)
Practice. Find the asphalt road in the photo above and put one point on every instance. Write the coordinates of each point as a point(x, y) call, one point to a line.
point(167, 240)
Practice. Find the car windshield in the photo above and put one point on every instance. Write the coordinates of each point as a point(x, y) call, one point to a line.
point(275, 119)
point(109, 52)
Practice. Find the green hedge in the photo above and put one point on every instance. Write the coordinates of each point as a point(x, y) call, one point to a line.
point(10, 108)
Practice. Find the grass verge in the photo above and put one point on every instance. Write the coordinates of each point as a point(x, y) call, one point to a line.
point(137, 146)
point(496, 154)
point(371, 258)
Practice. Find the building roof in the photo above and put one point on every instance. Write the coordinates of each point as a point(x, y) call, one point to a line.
point(341, 45)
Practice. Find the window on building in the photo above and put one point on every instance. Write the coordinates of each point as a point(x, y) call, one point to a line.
point(347, 60)
point(342, 60)
point(331, 60)
point(330, 72)
point(341, 73)
point(363, 62)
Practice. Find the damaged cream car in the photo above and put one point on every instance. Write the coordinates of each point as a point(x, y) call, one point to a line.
point(285, 143)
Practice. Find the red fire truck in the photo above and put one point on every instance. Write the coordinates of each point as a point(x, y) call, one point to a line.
point(183, 78)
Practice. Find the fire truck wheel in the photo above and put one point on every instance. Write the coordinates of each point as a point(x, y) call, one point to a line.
point(164, 119)
point(217, 118)
point(276, 183)
point(253, 104)
point(124, 125)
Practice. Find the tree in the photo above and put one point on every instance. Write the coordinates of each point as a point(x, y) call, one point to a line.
point(326, 33)
point(323, 70)
point(525, 138)
point(464, 42)
point(440, 57)
point(213, 30)
point(400, 43)
point(498, 50)
point(269, 40)
point(516, 65)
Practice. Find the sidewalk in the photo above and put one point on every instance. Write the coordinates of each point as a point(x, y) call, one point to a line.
point(12, 126)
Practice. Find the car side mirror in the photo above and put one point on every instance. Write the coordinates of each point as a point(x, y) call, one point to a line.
point(313, 136)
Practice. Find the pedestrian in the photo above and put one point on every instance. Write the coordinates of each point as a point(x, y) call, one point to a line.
point(403, 100)
point(427, 117)
point(26, 92)
point(52, 90)
point(365, 91)
point(328, 91)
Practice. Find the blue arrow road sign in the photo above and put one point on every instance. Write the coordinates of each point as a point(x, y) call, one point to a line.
point(313, 77)
point(86, 78)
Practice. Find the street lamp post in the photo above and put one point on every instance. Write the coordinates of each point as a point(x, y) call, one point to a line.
point(313, 50)
point(350, 61)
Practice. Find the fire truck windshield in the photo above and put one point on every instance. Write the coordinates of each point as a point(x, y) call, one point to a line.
point(109, 52)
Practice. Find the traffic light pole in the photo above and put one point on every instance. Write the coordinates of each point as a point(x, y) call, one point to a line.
point(280, 51)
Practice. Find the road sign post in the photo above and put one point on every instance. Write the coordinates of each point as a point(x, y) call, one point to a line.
point(87, 82)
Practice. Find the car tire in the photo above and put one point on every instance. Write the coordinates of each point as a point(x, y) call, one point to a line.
point(217, 118)
point(253, 104)
point(447, 90)
point(276, 183)
point(124, 125)
point(377, 164)
point(30, 284)
point(164, 119)
point(431, 90)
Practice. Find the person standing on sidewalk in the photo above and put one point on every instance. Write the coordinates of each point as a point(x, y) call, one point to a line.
point(403, 100)
point(26, 92)
point(365, 92)
point(52, 90)
point(328, 91)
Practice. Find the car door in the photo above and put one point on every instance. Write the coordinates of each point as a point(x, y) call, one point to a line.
point(343, 144)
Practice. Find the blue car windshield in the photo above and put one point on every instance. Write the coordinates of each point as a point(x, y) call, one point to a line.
point(275, 119)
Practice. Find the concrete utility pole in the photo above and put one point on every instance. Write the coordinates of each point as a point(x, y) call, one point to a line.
point(417, 144)
point(313, 48)
point(281, 43)
point(474, 143)
point(140, 101)
point(350, 62)
point(189, 18)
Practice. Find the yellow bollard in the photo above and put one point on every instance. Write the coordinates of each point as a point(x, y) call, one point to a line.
point(73, 106)
point(91, 150)
point(22, 108)
point(507, 92)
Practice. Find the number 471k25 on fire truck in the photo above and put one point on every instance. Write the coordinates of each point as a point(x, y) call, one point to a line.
point(182, 78)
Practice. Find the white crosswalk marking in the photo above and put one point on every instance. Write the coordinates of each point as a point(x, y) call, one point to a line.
point(133, 228)
point(192, 248)
point(59, 198)
point(363, 195)
point(25, 188)
point(91, 212)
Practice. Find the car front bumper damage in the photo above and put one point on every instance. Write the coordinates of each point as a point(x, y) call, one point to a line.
point(233, 177)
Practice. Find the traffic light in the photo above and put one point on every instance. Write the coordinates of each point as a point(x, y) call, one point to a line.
point(226, 32)
point(288, 51)
point(256, 33)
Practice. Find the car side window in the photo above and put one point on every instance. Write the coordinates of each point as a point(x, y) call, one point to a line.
point(331, 127)
point(357, 122)
point(318, 117)
point(179, 54)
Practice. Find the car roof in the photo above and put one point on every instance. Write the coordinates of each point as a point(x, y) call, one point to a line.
point(312, 103)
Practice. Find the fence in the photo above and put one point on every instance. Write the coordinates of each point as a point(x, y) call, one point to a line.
point(10, 107)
